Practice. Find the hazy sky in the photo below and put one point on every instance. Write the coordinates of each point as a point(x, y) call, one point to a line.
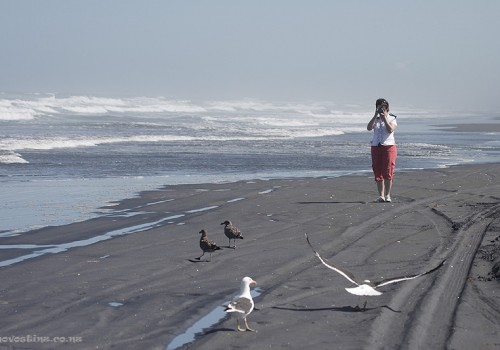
point(432, 53)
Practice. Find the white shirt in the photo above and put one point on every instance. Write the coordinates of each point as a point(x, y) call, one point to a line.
point(380, 134)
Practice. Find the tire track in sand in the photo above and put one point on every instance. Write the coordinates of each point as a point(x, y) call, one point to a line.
point(431, 318)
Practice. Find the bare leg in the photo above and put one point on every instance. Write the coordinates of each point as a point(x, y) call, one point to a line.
point(198, 258)
point(387, 187)
point(380, 188)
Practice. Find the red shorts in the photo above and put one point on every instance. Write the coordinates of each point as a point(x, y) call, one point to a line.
point(384, 161)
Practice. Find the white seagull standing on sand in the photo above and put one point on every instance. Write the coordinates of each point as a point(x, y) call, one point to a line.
point(242, 304)
point(367, 288)
point(231, 232)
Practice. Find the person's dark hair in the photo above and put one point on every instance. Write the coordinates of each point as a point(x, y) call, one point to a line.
point(382, 102)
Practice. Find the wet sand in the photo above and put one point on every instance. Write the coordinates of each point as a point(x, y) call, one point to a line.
point(140, 288)
point(481, 127)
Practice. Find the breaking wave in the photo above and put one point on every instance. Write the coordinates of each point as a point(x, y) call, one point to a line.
point(38, 106)
point(36, 122)
point(11, 158)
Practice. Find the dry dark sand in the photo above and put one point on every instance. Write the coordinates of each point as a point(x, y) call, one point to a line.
point(435, 214)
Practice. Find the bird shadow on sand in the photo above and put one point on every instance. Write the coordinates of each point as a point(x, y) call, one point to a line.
point(216, 330)
point(198, 261)
point(334, 202)
point(338, 309)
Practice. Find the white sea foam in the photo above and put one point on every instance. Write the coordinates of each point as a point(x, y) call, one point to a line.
point(245, 120)
point(59, 142)
point(424, 150)
point(10, 110)
point(48, 143)
point(425, 145)
point(25, 109)
point(39, 106)
point(12, 158)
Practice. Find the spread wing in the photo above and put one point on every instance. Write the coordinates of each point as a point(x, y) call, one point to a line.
point(344, 273)
point(405, 278)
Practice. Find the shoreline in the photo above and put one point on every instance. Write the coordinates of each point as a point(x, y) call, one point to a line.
point(55, 197)
point(139, 289)
point(108, 201)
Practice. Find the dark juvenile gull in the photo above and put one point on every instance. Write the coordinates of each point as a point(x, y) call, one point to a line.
point(207, 245)
point(367, 288)
point(231, 232)
point(242, 304)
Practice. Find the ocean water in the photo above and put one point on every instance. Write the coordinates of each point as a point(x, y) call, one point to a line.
point(64, 157)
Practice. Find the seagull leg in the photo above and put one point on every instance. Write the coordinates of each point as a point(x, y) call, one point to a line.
point(248, 329)
point(364, 305)
point(198, 258)
point(238, 325)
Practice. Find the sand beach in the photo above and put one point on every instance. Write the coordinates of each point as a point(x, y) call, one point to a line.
point(131, 130)
point(127, 280)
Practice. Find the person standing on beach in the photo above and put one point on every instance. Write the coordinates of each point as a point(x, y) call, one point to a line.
point(383, 148)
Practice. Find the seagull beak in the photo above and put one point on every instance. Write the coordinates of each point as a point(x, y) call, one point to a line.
point(253, 283)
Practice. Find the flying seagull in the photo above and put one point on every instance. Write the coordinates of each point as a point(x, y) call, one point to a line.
point(231, 232)
point(242, 304)
point(367, 288)
point(207, 245)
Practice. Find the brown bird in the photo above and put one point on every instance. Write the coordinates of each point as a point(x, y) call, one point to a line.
point(207, 245)
point(231, 232)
